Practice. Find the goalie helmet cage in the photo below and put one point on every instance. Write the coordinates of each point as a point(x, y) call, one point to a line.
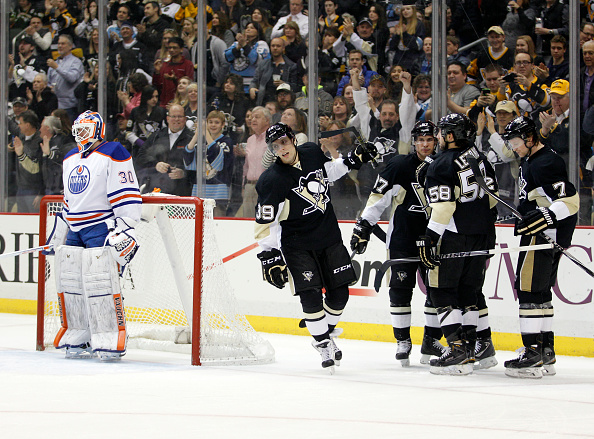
point(177, 272)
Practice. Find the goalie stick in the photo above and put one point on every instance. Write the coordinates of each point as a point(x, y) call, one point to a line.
point(494, 251)
point(478, 175)
point(27, 250)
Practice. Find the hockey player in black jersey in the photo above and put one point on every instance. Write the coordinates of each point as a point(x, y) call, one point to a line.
point(397, 187)
point(549, 204)
point(460, 220)
point(295, 222)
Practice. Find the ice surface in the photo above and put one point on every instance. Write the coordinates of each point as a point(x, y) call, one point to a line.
point(159, 395)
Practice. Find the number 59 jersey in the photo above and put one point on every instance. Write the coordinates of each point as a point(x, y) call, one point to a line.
point(99, 185)
point(458, 203)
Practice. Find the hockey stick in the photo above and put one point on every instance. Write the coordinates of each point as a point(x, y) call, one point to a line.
point(27, 250)
point(493, 251)
point(478, 175)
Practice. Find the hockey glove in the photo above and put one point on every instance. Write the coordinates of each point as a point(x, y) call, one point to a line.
point(274, 268)
point(122, 240)
point(426, 248)
point(361, 234)
point(361, 154)
point(536, 221)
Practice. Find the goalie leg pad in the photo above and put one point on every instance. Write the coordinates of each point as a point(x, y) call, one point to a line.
point(107, 321)
point(74, 333)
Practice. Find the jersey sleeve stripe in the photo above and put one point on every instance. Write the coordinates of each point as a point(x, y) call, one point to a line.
point(115, 206)
point(126, 189)
point(115, 200)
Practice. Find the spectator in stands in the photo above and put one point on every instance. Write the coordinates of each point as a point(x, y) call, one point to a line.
point(487, 101)
point(191, 107)
point(285, 97)
point(452, 45)
point(42, 100)
point(272, 72)
point(114, 31)
point(234, 10)
point(247, 52)
point(361, 40)
point(127, 67)
point(356, 61)
point(23, 69)
point(296, 15)
point(376, 92)
point(146, 119)
point(525, 44)
point(89, 21)
point(260, 16)
point(28, 154)
point(254, 151)
point(586, 101)
point(54, 146)
point(19, 106)
point(86, 91)
point(406, 43)
point(64, 74)
point(91, 51)
point(466, 21)
point(151, 28)
point(217, 66)
point(128, 42)
point(22, 13)
point(587, 33)
point(558, 65)
point(59, 19)
point(460, 94)
point(181, 91)
point(295, 48)
point(394, 84)
point(160, 161)
point(518, 21)
point(221, 28)
point(41, 36)
point(168, 73)
point(555, 21)
point(274, 109)
point(232, 100)
point(526, 90)
point(218, 162)
point(341, 110)
point(169, 8)
point(421, 89)
point(423, 62)
point(380, 35)
point(330, 60)
point(497, 53)
point(324, 98)
point(189, 31)
point(554, 123)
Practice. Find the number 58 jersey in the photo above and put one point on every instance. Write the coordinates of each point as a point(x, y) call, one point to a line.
point(458, 203)
point(99, 185)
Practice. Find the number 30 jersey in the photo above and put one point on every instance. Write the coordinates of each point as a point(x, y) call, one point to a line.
point(294, 207)
point(458, 203)
point(99, 185)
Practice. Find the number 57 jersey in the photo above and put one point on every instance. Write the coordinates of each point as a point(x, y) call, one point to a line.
point(100, 185)
point(458, 203)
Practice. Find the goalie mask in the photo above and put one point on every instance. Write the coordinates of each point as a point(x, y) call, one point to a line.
point(87, 129)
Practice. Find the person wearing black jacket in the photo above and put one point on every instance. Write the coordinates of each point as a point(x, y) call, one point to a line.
point(54, 146)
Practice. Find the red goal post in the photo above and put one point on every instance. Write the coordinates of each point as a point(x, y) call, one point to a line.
point(177, 272)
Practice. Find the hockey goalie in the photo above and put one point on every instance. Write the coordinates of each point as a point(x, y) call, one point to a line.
point(94, 239)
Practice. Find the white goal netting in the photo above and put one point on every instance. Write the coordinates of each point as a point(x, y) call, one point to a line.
point(159, 287)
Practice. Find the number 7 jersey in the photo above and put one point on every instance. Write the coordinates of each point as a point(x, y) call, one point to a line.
point(457, 201)
point(99, 185)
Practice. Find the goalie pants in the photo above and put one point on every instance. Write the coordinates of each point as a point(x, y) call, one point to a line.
point(312, 270)
point(89, 237)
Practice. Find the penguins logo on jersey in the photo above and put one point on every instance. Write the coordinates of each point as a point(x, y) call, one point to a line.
point(522, 183)
point(313, 188)
point(401, 275)
point(308, 275)
point(78, 180)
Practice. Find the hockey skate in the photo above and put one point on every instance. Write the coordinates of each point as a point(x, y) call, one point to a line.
point(454, 361)
point(431, 347)
point(326, 351)
point(527, 365)
point(548, 361)
point(337, 352)
point(484, 354)
point(403, 352)
point(80, 352)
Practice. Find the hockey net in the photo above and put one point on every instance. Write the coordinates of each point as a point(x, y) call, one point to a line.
point(175, 289)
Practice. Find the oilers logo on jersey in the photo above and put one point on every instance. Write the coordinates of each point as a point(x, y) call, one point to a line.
point(313, 188)
point(79, 179)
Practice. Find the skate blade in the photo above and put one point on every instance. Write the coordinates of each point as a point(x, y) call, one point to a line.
point(336, 332)
point(330, 369)
point(455, 370)
point(405, 362)
point(110, 356)
point(549, 370)
point(77, 354)
point(485, 363)
point(526, 372)
point(337, 362)
point(425, 358)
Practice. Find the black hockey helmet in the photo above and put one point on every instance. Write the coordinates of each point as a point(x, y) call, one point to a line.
point(421, 128)
point(522, 127)
point(277, 131)
point(459, 125)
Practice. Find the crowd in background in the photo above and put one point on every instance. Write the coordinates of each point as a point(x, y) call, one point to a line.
point(256, 75)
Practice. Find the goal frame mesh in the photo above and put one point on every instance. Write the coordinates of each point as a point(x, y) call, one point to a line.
point(203, 321)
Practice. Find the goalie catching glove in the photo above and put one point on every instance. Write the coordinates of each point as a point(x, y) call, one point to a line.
point(361, 234)
point(361, 154)
point(536, 221)
point(274, 268)
point(426, 248)
point(122, 240)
